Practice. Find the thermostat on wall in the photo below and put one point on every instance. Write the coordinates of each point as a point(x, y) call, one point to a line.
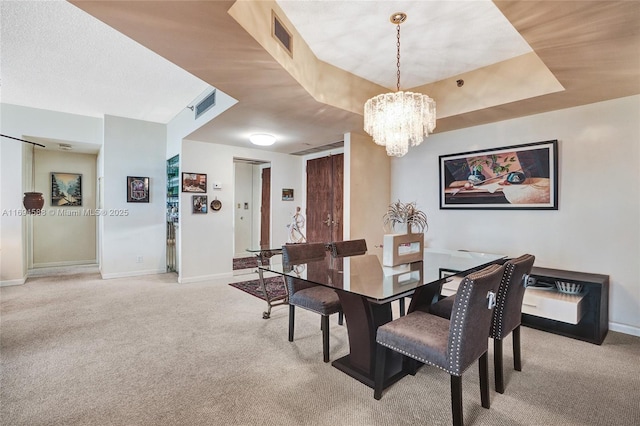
point(217, 185)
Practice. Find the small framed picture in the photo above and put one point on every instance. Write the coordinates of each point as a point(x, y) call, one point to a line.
point(287, 194)
point(137, 189)
point(199, 203)
point(66, 189)
point(194, 182)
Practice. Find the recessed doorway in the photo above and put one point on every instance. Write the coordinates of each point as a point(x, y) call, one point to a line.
point(252, 208)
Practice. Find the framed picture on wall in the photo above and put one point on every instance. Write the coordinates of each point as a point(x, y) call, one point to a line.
point(521, 177)
point(66, 189)
point(137, 189)
point(194, 182)
point(199, 203)
point(287, 194)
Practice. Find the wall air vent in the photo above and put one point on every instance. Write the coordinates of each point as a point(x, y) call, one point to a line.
point(205, 104)
point(280, 33)
point(315, 149)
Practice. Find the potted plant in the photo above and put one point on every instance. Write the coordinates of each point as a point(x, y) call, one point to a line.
point(405, 217)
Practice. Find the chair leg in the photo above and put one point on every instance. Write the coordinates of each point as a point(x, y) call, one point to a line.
point(340, 318)
point(409, 365)
point(325, 337)
point(402, 306)
point(292, 319)
point(483, 364)
point(497, 365)
point(381, 353)
point(456, 400)
point(517, 362)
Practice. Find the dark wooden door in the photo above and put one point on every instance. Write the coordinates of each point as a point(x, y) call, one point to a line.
point(265, 208)
point(325, 199)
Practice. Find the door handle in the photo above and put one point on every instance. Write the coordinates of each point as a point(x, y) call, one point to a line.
point(328, 221)
point(335, 222)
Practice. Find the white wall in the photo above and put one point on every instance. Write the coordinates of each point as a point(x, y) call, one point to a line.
point(23, 122)
point(65, 235)
point(134, 234)
point(206, 240)
point(597, 226)
point(185, 122)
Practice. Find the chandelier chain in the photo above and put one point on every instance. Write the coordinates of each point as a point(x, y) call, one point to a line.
point(398, 57)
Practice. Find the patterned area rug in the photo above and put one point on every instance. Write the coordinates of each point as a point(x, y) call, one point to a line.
point(275, 288)
point(245, 262)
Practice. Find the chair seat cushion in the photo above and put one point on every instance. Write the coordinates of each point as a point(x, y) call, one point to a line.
point(420, 335)
point(443, 307)
point(319, 299)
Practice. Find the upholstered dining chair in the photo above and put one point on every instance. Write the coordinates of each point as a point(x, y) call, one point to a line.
point(348, 248)
point(451, 345)
point(315, 298)
point(507, 314)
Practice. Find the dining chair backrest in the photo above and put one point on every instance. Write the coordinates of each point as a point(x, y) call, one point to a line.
point(295, 254)
point(299, 254)
point(507, 313)
point(471, 317)
point(348, 248)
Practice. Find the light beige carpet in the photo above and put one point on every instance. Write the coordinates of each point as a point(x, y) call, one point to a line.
point(78, 350)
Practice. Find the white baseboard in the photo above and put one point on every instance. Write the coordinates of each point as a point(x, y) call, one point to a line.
point(132, 273)
point(9, 283)
point(201, 278)
point(65, 263)
point(624, 328)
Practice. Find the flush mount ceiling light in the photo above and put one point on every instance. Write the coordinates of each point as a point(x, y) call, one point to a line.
point(262, 139)
point(398, 119)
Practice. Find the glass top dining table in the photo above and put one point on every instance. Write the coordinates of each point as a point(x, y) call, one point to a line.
point(365, 275)
point(366, 289)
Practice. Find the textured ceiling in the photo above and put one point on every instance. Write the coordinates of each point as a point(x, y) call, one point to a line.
point(57, 57)
point(579, 52)
point(439, 39)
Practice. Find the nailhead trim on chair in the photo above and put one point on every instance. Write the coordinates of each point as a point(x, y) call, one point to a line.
point(496, 325)
point(454, 349)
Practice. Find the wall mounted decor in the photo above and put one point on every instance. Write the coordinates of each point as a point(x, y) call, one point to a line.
point(514, 177)
point(137, 189)
point(216, 205)
point(194, 182)
point(66, 189)
point(287, 194)
point(199, 203)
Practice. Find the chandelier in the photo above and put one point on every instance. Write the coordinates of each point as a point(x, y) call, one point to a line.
point(398, 119)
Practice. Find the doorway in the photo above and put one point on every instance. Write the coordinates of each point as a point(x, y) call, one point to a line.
point(252, 207)
point(325, 204)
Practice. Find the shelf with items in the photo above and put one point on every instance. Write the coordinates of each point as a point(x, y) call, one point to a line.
point(583, 316)
point(173, 188)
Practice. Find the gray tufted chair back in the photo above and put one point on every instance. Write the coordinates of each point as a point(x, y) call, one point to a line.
point(507, 313)
point(471, 317)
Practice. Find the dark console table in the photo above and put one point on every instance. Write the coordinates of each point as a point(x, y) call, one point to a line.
point(594, 323)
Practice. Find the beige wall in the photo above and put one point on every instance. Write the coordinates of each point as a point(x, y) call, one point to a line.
point(369, 177)
point(65, 235)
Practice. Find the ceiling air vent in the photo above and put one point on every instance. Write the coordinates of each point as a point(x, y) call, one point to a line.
point(204, 105)
point(280, 33)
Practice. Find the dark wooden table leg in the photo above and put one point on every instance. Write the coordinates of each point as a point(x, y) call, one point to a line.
point(363, 319)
